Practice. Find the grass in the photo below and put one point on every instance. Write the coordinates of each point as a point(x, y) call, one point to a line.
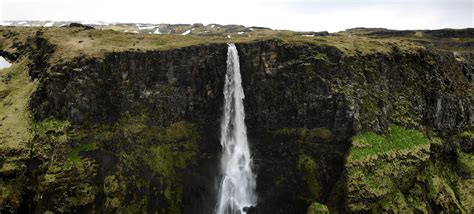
point(16, 88)
point(71, 43)
point(398, 138)
point(317, 208)
point(50, 125)
point(321, 133)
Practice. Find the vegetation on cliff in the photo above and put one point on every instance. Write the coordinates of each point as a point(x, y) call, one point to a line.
point(15, 135)
point(398, 138)
point(404, 176)
point(123, 122)
point(77, 42)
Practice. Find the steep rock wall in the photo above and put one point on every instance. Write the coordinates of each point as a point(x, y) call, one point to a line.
point(139, 130)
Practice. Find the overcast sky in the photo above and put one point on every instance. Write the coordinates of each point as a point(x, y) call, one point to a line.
point(302, 15)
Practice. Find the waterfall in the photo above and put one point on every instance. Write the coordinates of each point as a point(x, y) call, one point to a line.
point(237, 187)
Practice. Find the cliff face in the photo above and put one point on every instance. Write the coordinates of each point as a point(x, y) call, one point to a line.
point(139, 130)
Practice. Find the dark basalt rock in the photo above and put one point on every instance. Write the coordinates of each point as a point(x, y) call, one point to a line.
point(250, 210)
point(40, 51)
point(304, 103)
point(78, 25)
point(9, 56)
point(451, 33)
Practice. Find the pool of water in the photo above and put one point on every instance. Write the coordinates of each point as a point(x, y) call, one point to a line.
point(4, 63)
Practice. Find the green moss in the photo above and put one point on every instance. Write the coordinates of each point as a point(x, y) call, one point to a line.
point(72, 187)
point(10, 194)
point(443, 182)
point(466, 162)
point(166, 151)
point(51, 130)
point(136, 205)
point(321, 133)
point(74, 155)
point(401, 111)
point(382, 171)
point(288, 132)
point(49, 125)
point(404, 182)
point(321, 56)
point(317, 208)
point(415, 199)
point(442, 194)
point(398, 138)
point(468, 134)
point(56, 132)
point(394, 202)
point(177, 149)
point(369, 108)
point(466, 185)
point(84, 194)
point(310, 169)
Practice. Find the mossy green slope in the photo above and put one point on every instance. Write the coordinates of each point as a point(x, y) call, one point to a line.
point(178, 150)
point(153, 164)
point(370, 144)
point(466, 167)
point(396, 173)
point(15, 90)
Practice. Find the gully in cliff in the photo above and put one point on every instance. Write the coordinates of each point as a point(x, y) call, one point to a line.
point(237, 187)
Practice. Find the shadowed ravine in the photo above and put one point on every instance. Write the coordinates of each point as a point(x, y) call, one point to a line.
point(237, 188)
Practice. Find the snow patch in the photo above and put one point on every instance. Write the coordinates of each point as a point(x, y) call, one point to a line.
point(5, 23)
point(228, 36)
point(308, 35)
point(21, 23)
point(157, 31)
point(146, 27)
point(186, 32)
point(4, 63)
point(212, 26)
point(49, 24)
point(240, 33)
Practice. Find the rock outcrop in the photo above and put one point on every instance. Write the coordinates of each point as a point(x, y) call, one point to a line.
point(332, 129)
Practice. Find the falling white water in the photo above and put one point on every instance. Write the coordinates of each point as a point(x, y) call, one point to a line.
point(237, 187)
